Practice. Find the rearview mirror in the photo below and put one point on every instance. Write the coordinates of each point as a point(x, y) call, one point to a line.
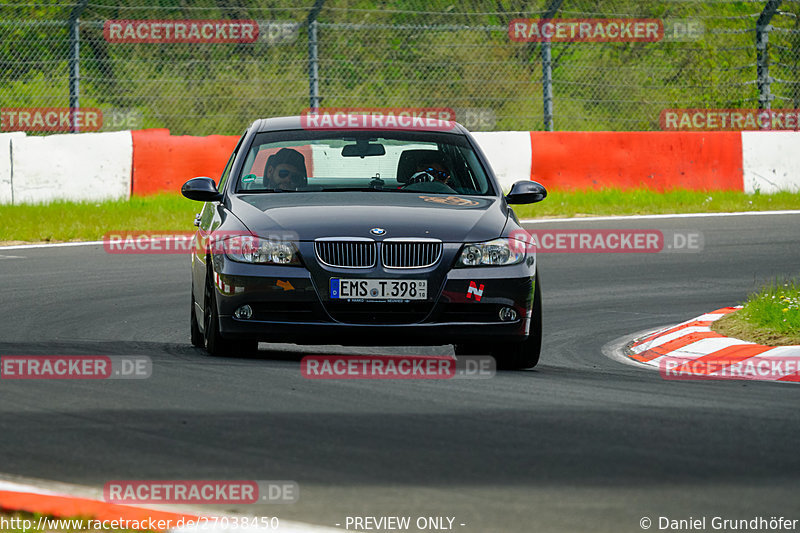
point(201, 189)
point(363, 149)
point(526, 192)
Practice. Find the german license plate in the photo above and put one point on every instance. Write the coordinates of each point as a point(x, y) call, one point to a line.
point(379, 289)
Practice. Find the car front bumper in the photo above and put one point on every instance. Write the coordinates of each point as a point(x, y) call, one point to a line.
point(292, 304)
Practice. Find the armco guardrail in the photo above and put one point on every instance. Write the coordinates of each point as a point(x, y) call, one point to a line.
point(96, 166)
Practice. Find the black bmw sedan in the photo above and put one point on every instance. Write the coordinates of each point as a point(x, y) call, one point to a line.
point(396, 236)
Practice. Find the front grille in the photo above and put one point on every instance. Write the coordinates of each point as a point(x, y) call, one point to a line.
point(346, 254)
point(410, 254)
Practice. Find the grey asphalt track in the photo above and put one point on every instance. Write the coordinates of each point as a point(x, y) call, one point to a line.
point(582, 443)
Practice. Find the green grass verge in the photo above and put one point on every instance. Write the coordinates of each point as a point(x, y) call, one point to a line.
point(770, 316)
point(70, 221)
point(648, 202)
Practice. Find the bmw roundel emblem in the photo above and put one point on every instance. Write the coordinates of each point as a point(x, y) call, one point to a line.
point(378, 231)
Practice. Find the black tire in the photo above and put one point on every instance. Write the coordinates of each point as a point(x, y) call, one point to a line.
point(198, 340)
point(215, 343)
point(514, 355)
point(525, 354)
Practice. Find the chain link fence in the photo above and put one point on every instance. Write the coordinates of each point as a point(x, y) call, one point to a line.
point(405, 53)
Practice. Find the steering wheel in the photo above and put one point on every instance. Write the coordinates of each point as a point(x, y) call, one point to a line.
point(419, 177)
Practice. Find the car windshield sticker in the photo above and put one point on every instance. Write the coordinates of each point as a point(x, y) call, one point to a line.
point(249, 178)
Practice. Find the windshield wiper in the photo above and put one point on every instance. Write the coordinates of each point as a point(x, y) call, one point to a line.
point(362, 189)
point(256, 191)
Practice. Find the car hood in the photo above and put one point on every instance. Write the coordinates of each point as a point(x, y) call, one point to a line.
point(311, 215)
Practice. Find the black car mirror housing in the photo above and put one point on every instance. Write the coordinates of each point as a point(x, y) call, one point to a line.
point(363, 149)
point(526, 192)
point(201, 189)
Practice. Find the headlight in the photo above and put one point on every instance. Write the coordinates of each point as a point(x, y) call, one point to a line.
point(493, 253)
point(256, 250)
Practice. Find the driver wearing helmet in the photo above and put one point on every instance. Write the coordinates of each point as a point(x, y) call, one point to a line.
point(429, 170)
point(285, 169)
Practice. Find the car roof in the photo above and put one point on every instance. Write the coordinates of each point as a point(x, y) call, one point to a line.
point(296, 123)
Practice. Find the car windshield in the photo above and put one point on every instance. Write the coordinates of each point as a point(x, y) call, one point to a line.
point(344, 161)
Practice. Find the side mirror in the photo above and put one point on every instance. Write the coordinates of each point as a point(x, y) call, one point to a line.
point(201, 189)
point(526, 192)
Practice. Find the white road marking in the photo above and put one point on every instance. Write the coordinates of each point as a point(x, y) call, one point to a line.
point(657, 217)
point(50, 245)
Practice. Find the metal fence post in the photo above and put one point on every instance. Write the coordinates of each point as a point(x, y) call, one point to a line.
point(74, 63)
point(547, 71)
point(547, 85)
point(313, 55)
point(763, 28)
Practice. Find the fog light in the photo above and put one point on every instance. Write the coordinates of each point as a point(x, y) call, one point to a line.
point(508, 314)
point(244, 312)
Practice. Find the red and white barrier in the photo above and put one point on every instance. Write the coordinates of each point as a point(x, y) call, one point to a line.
point(89, 166)
point(771, 161)
point(163, 162)
point(509, 154)
point(96, 166)
point(661, 161)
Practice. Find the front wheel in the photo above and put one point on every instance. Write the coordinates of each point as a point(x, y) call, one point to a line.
point(198, 341)
point(215, 343)
point(514, 355)
point(525, 354)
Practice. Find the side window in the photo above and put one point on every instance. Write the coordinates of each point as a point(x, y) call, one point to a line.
point(227, 172)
